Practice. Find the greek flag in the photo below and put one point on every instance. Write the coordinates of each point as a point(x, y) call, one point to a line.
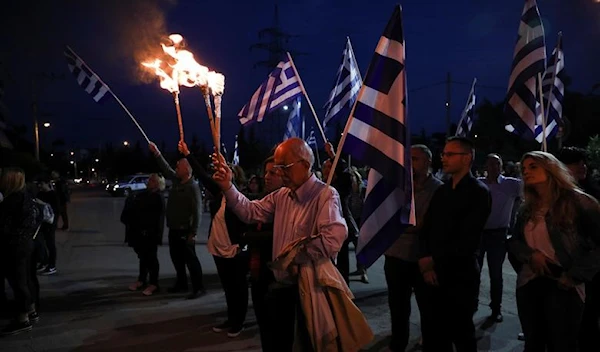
point(346, 87)
point(281, 85)
point(466, 119)
point(236, 157)
point(312, 140)
point(294, 123)
point(554, 92)
point(378, 135)
point(522, 106)
point(86, 78)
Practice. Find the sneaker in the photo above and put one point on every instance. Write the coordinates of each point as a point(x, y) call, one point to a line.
point(40, 268)
point(49, 271)
point(149, 291)
point(235, 331)
point(16, 327)
point(221, 327)
point(34, 317)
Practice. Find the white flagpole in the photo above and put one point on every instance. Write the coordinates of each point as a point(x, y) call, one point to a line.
point(466, 105)
point(114, 95)
point(312, 109)
point(342, 141)
point(544, 143)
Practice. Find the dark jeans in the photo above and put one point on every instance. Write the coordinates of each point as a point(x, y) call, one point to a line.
point(184, 254)
point(259, 290)
point(21, 275)
point(447, 313)
point(147, 254)
point(549, 316)
point(402, 278)
point(232, 273)
point(64, 214)
point(493, 242)
point(50, 240)
point(590, 331)
point(343, 261)
point(45, 246)
point(284, 313)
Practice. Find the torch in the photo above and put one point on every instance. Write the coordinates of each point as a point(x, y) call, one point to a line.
point(169, 83)
point(216, 83)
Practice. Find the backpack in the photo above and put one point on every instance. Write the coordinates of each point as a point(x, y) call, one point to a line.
point(46, 211)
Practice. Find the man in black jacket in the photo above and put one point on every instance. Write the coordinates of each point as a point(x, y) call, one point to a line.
point(183, 219)
point(448, 252)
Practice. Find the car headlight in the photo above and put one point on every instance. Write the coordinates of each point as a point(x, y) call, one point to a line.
point(116, 186)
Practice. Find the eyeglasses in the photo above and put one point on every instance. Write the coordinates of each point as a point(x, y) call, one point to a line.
point(451, 154)
point(283, 168)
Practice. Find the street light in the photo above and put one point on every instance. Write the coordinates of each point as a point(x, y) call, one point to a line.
point(46, 124)
point(51, 154)
point(126, 143)
point(72, 162)
point(72, 153)
point(97, 160)
point(93, 170)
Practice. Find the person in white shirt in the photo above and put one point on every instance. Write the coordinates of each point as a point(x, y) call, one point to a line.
point(506, 195)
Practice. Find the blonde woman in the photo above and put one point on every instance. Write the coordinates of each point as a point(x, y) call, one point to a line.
point(144, 217)
point(19, 220)
point(555, 250)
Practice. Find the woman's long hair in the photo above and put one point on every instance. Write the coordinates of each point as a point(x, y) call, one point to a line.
point(12, 181)
point(562, 188)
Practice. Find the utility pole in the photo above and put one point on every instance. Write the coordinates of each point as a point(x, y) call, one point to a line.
point(448, 102)
point(275, 42)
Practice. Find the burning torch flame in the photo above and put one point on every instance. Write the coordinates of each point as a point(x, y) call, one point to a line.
point(176, 38)
point(216, 82)
point(166, 82)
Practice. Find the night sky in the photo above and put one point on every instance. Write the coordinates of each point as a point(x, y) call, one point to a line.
point(469, 38)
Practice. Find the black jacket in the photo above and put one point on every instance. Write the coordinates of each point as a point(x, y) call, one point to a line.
point(452, 227)
point(144, 218)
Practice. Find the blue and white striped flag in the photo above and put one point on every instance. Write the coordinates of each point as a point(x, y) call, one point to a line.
point(378, 135)
point(86, 78)
point(466, 119)
point(236, 157)
point(554, 92)
point(346, 87)
point(281, 85)
point(294, 122)
point(311, 140)
point(522, 104)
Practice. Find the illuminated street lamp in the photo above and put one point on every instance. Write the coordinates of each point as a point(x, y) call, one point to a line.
point(126, 143)
point(46, 124)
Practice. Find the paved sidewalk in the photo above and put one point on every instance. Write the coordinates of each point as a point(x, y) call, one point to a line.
point(87, 307)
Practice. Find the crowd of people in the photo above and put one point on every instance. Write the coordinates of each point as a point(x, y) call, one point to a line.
point(29, 216)
point(286, 234)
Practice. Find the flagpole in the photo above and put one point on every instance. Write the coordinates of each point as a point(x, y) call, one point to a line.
point(342, 141)
point(466, 105)
point(544, 143)
point(114, 95)
point(312, 109)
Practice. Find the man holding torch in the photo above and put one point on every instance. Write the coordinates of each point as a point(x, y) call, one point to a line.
point(183, 220)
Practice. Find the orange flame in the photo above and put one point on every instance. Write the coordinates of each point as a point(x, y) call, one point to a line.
point(186, 71)
point(216, 82)
point(166, 82)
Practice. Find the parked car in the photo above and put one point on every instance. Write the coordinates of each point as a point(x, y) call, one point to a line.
point(127, 185)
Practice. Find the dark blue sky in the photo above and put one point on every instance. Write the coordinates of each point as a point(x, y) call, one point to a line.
point(469, 38)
